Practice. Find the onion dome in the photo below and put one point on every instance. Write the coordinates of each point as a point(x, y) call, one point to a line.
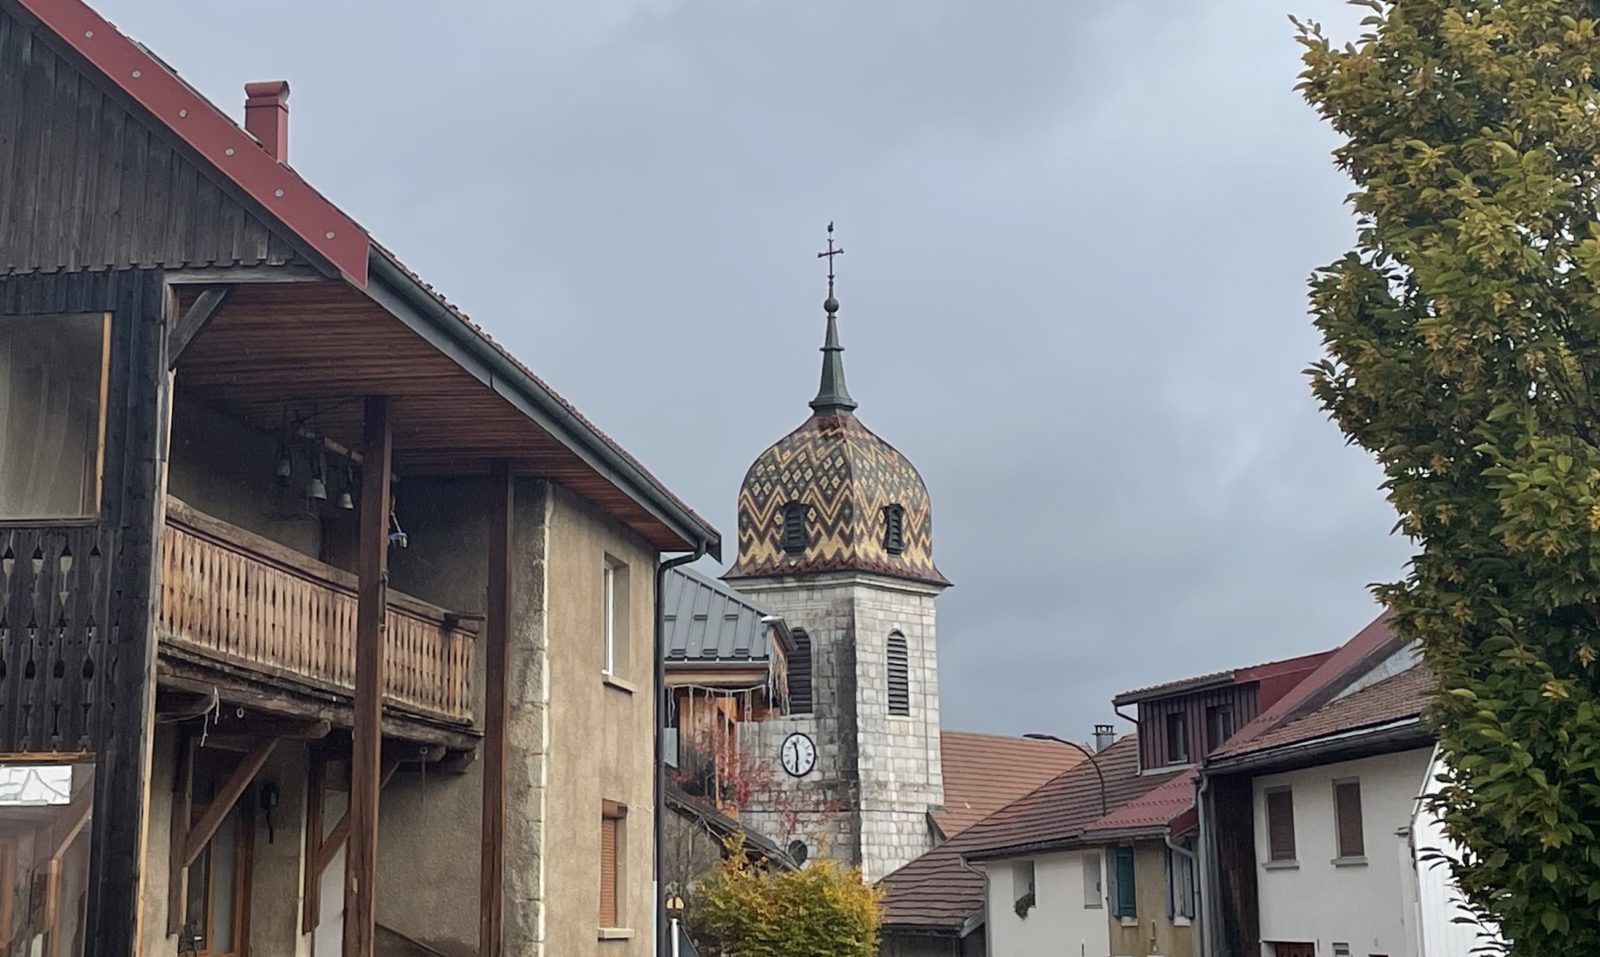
point(831, 496)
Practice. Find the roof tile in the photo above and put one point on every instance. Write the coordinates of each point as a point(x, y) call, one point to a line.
point(985, 772)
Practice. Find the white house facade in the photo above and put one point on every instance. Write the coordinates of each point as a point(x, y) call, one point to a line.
point(1068, 912)
point(1334, 857)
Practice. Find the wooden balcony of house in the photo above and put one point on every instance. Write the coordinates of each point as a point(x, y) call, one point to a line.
point(280, 627)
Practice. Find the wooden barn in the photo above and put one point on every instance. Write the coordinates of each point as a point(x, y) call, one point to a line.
point(303, 579)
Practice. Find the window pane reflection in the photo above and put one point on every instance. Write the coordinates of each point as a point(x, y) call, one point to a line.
point(45, 811)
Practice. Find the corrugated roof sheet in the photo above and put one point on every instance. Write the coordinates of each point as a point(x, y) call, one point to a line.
point(985, 772)
point(706, 621)
point(938, 892)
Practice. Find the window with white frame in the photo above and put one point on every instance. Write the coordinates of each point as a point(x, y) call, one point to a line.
point(614, 653)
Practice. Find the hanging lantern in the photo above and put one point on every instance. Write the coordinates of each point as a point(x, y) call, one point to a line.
point(285, 468)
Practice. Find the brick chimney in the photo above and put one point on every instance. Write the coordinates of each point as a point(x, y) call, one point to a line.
point(266, 116)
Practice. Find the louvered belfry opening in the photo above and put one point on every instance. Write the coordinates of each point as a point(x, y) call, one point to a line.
point(899, 675)
point(794, 528)
point(894, 539)
point(800, 674)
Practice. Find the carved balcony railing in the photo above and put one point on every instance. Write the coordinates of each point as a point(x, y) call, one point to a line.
point(235, 596)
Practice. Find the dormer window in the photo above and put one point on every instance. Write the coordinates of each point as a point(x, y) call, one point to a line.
point(794, 528)
point(894, 521)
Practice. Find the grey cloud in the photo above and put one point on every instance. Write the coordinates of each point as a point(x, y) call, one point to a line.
point(1077, 237)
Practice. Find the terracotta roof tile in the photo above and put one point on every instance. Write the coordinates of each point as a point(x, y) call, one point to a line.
point(1155, 809)
point(985, 772)
point(1395, 698)
point(937, 891)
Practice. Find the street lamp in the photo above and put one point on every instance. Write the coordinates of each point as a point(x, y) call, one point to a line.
point(1105, 808)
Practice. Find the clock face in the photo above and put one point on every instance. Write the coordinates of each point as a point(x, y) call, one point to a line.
point(799, 754)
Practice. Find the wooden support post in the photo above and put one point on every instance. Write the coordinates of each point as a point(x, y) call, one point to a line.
point(341, 830)
point(227, 796)
point(182, 815)
point(311, 893)
point(372, 567)
point(496, 646)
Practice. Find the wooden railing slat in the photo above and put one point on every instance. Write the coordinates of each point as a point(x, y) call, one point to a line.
point(265, 606)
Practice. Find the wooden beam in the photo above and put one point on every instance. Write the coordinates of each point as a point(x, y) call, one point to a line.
point(372, 568)
point(341, 831)
point(496, 645)
point(227, 796)
point(311, 893)
point(182, 813)
point(314, 730)
point(198, 315)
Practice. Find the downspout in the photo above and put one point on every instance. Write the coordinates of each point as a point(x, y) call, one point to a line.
point(1198, 934)
point(988, 941)
point(658, 915)
point(1205, 862)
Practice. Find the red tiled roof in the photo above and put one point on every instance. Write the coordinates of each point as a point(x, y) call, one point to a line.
point(1370, 643)
point(985, 772)
point(1259, 672)
point(1395, 698)
point(937, 891)
point(1155, 809)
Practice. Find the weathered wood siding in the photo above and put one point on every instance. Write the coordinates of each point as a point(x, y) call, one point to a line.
point(107, 612)
point(1153, 720)
point(86, 184)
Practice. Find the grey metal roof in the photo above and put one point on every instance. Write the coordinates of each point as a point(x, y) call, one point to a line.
point(708, 622)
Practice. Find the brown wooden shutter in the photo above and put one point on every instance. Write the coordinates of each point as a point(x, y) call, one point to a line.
point(1347, 811)
point(1280, 825)
point(899, 675)
point(608, 871)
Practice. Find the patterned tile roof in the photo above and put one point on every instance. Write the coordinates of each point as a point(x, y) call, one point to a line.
point(985, 772)
point(1395, 698)
point(937, 891)
point(846, 477)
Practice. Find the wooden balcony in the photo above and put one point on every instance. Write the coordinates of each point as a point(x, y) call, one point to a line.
point(260, 608)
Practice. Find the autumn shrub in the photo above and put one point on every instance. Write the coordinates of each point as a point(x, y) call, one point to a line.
point(821, 910)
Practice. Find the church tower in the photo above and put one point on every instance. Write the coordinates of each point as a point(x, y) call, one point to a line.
point(836, 537)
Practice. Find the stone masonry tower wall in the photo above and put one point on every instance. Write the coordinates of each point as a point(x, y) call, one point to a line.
point(877, 773)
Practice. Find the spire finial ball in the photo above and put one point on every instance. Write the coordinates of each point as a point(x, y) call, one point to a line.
point(830, 305)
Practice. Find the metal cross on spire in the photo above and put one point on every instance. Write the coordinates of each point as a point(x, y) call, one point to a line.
point(832, 396)
point(832, 305)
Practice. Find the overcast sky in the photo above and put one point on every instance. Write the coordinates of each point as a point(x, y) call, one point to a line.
point(1077, 240)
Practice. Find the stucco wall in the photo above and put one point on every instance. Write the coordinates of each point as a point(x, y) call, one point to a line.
point(1150, 932)
point(601, 734)
point(1059, 922)
point(429, 825)
point(1314, 900)
point(278, 878)
point(153, 939)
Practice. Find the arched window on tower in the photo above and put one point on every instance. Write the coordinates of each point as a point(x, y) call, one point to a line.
point(894, 537)
point(800, 673)
point(794, 528)
point(899, 675)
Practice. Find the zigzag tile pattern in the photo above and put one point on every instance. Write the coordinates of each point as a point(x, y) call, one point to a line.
point(845, 476)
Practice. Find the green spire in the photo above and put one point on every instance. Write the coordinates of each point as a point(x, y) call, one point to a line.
point(832, 396)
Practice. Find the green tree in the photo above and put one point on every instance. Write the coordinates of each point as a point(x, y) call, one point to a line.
point(821, 910)
point(1463, 341)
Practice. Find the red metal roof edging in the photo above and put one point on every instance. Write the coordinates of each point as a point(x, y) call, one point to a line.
point(198, 122)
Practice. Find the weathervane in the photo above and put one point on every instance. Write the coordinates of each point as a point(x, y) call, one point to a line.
point(830, 304)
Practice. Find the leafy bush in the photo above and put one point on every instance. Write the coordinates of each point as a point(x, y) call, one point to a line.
point(821, 910)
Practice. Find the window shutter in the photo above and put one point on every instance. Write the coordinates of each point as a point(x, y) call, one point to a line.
point(794, 528)
point(899, 675)
point(1347, 812)
point(1280, 825)
point(608, 872)
point(800, 674)
point(1127, 890)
